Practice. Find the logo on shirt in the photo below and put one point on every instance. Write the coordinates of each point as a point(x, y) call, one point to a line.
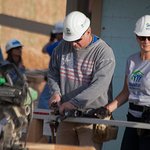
point(136, 76)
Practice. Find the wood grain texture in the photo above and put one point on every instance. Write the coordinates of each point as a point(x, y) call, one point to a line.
point(37, 146)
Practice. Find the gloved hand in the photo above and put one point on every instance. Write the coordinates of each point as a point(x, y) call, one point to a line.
point(102, 113)
point(103, 132)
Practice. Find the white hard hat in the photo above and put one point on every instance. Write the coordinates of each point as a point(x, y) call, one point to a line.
point(58, 28)
point(75, 24)
point(142, 27)
point(13, 44)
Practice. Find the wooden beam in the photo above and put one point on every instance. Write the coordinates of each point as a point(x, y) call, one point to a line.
point(96, 16)
point(38, 146)
point(24, 24)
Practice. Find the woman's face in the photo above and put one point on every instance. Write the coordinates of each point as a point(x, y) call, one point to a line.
point(144, 43)
point(16, 54)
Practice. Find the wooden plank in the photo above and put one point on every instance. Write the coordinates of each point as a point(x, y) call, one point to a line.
point(40, 146)
point(35, 133)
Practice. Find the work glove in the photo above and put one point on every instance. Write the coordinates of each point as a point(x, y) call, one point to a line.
point(103, 132)
point(89, 113)
point(102, 113)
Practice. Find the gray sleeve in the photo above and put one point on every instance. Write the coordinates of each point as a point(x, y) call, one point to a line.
point(102, 76)
point(53, 74)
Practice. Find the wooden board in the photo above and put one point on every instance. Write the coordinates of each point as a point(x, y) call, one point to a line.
point(38, 146)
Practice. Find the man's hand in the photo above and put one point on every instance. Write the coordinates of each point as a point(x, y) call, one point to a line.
point(66, 106)
point(55, 100)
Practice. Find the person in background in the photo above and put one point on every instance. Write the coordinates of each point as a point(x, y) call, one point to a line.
point(14, 55)
point(55, 38)
point(57, 34)
point(52, 38)
point(80, 72)
point(136, 90)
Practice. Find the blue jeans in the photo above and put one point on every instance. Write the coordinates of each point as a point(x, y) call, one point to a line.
point(44, 98)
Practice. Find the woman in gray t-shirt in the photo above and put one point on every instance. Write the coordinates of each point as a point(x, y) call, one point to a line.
point(136, 90)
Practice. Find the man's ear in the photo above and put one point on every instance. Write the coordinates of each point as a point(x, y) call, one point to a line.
point(89, 30)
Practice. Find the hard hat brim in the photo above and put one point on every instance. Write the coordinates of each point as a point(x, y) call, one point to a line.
point(7, 50)
point(71, 38)
point(142, 33)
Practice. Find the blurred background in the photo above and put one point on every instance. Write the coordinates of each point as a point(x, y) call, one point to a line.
point(30, 21)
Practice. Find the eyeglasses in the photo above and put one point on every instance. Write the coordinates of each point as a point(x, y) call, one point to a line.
point(77, 41)
point(143, 38)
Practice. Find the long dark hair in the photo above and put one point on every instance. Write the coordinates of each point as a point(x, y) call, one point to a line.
point(11, 60)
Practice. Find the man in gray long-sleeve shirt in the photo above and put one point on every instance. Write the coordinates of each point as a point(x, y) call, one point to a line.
point(80, 73)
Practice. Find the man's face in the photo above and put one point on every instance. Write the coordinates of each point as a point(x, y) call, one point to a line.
point(83, 42)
